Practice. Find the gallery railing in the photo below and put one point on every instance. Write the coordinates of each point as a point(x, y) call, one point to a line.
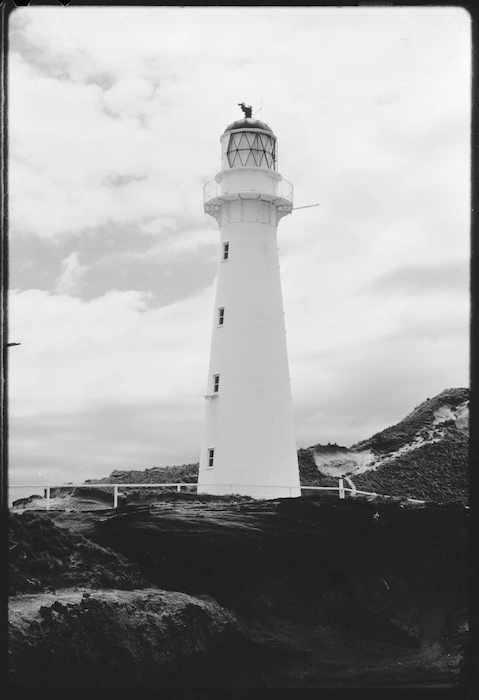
point(283, 189)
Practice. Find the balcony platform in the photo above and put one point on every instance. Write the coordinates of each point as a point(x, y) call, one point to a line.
point(282, 198)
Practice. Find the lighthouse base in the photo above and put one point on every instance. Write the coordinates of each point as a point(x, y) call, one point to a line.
point(257, 491)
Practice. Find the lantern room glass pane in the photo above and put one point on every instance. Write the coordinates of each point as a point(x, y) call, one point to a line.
point(253, 149)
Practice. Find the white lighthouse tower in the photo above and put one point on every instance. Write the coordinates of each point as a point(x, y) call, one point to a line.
point(249, 446)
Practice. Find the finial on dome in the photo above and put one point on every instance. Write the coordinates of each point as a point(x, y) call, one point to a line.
point(248, 111)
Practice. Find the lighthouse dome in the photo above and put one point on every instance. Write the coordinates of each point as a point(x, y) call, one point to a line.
point(248, 123)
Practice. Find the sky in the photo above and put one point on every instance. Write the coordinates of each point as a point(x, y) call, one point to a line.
point(115, 116)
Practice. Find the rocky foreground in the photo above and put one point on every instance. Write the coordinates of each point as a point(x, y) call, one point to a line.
point(209, 593)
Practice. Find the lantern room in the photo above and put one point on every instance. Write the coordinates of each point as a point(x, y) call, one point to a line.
point(248, 143)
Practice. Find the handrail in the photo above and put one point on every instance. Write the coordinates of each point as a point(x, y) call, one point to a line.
point(179, 485)
point(101, 484)
point(319, 488)
point(212, 190)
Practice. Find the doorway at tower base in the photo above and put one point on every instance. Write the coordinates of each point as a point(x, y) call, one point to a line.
point(257, 491)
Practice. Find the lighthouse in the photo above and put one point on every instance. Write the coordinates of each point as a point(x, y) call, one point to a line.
point(249, 446)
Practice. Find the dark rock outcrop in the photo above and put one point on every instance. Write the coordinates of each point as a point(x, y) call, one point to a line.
point(329, 592)
point(44, 557)
point(117, 639)
point(311, 592)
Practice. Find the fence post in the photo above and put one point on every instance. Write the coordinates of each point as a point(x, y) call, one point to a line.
point(48, 497)
point(115, 496)
point(341, 488)
point(178, 488)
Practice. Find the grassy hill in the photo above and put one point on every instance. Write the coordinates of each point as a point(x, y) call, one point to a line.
point(188, 474)
point(420, 420)
point(425, 455)
point(184, 473)
point(436, 472)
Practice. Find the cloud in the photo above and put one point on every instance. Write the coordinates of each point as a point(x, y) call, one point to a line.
point(83, 364)
point(25, 266)
point(68, 155)
point(167, 263)
point(149, 119)
point(90, 443)
point(129, 96)
point(362, 350)
point(113, 346)
point(423, 279)
point(381, 382)
point(71, 275)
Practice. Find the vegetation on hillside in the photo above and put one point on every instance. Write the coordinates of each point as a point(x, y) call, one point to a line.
point(188, 474)
point(401, 434)
point(309, 475)
point(45, 557)
point(182, 474)
point(435, 471)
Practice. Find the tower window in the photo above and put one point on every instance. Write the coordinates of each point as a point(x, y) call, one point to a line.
point(216, 382)
point(226, 250)
point(211, 457)
point(221, 316)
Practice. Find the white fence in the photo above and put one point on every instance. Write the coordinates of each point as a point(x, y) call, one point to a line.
point(104, 496)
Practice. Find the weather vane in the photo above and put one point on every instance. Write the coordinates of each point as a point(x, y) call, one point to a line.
point(248, 111)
